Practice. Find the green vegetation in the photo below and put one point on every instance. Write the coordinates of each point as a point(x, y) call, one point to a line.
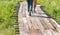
point(52, 7)
point(7, 17)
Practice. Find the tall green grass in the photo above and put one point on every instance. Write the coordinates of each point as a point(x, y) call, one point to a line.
point(7, 17)
point(52, 7)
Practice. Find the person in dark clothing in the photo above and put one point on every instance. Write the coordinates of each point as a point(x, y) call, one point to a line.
point(30, 6)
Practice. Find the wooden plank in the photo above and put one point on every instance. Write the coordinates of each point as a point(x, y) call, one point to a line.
point(48, 32)
point(34, 23)
point(20, 9)
point(34, 27)
point(23, 26)
point(44, 20)
point(55, 25)
point(37, 25)
point(53, 32)
point(46, 23)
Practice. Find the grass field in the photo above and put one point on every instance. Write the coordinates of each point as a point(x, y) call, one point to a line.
point(52, 7)
point(7, 17)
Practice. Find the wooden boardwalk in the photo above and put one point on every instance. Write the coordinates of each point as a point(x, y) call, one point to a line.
point(37, 24)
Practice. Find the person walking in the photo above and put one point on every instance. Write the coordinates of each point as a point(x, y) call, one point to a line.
point(35, 2)
point(30, 6)
point(31, 3)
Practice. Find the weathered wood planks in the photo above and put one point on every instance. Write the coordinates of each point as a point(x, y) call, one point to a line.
point(37, 24)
